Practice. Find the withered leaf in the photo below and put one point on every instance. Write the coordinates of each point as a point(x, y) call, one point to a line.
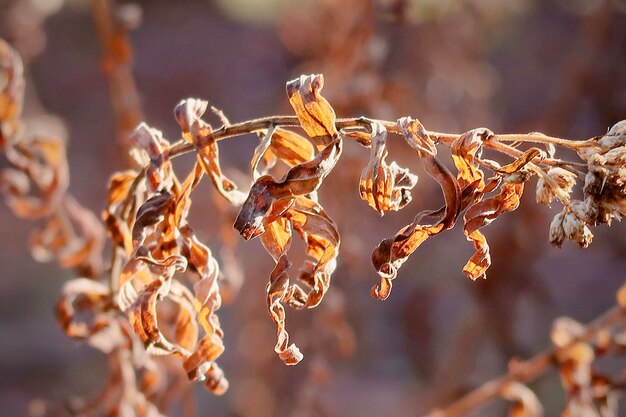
point(464, 152)
point(321, 238)
point(391, 253)
point(521, 161)
point(384, 187)
point(269, 198)
point(199, 133)
point(315, 114)
point(78, 295)
point(525, 402)
point(151, 141)
point(277, 293)
point(37, 186)
point(417, 137)
point(12, 92)
point(480, 215)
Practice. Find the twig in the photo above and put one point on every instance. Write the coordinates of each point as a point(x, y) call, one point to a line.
point(525, 371)
point(117, 67)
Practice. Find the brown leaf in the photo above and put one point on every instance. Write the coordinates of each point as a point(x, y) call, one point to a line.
point(417, 137)
point(391, 253)
point(525, 402)
point(384, 187)
point(37, 186)
point(481, 214)
point(269, 198)
point(151, 141)
point(521, 161)
point(315, 114)
point(321, 238)
point(11, 94)
point(79, 295)
point(199, 133)
point(278, 291)
point(464, 152)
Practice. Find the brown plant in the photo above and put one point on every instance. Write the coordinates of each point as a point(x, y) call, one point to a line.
point(154, 312)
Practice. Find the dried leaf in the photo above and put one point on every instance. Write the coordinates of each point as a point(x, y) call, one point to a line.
point(36, 187)
point(391, 253)
point(417, 137)
point(384, 187)
point(316, 116)
point(277, 293)
point(481, 214)
point(268, 198)
point(465, 150)
point(196, 131)
point(525, 402)
point(11, 94)
point(151, 141)
point(321, 238)
point(81, 294)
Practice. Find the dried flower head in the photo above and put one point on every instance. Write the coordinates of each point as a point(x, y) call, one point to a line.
point(558, 183)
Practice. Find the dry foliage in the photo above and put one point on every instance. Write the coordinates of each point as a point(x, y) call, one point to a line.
point(155, 313)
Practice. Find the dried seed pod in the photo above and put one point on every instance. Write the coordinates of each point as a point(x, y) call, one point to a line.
point(563, 179)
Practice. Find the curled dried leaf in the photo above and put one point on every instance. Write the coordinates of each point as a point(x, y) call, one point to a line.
point(151, 142)
point(481, 214)
point(199, 133)
point(384, 187)
point(391, 253)
point(315, 114)
point(321, 238)
point(465, 150)
point(11, 92)
point(278, 291)
point(269, 198)
point(525, 402)
point(416, 136)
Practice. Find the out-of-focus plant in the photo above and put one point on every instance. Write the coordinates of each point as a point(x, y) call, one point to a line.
point(154, 311)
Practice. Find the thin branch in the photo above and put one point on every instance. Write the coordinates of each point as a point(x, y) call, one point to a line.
point(117, 67)
point(525, 371)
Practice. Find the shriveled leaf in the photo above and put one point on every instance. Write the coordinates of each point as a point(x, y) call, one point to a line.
point(417, 137)
point(36, 187)
point(465, 150)
point(200, 365)
point(316, 116)
point(525, 402)
point(291, 148)
point(142, 315)
point(521, 161)
point(78, 295)
point(269, 198)
point(196, 131)
point(320, 235)
point(260, 152)
point(11, 93)
point(384, 187)
point(151, 141)
point(277, 293)
point(391, 253)
point(480, 215)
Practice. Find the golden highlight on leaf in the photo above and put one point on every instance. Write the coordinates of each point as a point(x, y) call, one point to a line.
point(391, 253)
point(384, 187)
point(480, 215)
point(316, 116)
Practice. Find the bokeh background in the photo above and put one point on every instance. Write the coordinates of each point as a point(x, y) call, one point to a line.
point(555, 66)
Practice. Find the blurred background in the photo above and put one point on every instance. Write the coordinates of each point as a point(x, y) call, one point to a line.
point(556, 66)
